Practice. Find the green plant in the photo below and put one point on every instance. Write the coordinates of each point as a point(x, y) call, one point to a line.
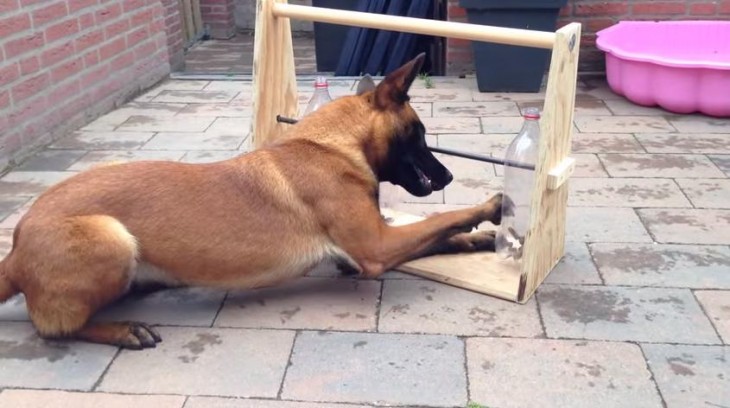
point(472, 404)
point(429, 84)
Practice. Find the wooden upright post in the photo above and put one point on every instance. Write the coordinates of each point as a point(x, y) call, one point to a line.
point(274, 76)
point(545, 241)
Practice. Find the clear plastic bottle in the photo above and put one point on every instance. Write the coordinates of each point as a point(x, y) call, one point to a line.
point(518, 184)
point(320, 97)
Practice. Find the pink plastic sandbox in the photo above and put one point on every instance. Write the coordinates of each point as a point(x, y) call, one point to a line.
point(682, 66)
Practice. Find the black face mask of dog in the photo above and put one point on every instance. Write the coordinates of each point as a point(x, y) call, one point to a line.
point(409, 163)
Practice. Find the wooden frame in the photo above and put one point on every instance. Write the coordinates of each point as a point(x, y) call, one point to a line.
point(275, 93)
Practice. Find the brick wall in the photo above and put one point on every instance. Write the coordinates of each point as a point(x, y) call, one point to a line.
point(595, 16)
point(173, 30)
point(65, 62)
point(218, 15)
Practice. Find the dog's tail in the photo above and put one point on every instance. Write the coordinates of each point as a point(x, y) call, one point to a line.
point(7, 289)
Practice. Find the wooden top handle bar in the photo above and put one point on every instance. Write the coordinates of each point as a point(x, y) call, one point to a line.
point(474, 32)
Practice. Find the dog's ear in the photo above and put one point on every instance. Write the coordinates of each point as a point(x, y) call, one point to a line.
point(394, 87)
point(366, 84)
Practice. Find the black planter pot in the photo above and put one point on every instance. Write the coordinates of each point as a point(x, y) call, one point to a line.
point(507, 68)
point(329, 38)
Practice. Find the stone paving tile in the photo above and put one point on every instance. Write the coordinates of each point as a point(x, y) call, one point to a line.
point(102, 157)
point(604, 224)
point(10, 203)
point(216, 109)
point(525, 373)
point(624, 107)
point(716, 304)
point(197, 361)
point(605, 143)
point(474, 182)
point(233, 86)
point(683, 266)
point(688, 266)
point(451, 125)
point(140, 123)
point(588, 165)
point(710, 193)
point(6, 242)
point(690, 376)
point(194, 141)
point(410, 306)
point(622, 124)
point(103, 140)
point(65, 399)
point(471, 109)
point(185, 85)
point(184, 96)
point(624, 314)
point(113, 119)
point(14, 310)
point(685, 142)
point(583, 106)
point(508, 96)
point(440, 95)
point(29, 183)
point(700, 124)
point(625, 192)
point(12, 220)
point(239, 127)
point(306, 303)
point(176, 307)
point(209, 156)
point(504, 124)
point(489, 144)
point(421, 370)
point(576, 267)
point(722, 162)
point(423, 109)
point(27, 361)
point(213, 402)
point(660, 165)
point(688, 226)
point(51, 160)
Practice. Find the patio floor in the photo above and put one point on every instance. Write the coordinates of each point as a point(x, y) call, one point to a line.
point(636, 315)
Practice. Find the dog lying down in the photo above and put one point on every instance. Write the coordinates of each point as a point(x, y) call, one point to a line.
point(254, 220)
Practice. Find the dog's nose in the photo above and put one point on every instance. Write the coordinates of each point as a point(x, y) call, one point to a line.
point(449, 177)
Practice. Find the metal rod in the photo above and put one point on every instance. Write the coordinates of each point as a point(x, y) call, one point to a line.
point(471, 156)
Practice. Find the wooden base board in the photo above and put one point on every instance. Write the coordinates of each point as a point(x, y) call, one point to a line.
point(482, 272)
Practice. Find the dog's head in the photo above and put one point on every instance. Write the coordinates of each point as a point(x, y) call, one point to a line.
point(397, 146)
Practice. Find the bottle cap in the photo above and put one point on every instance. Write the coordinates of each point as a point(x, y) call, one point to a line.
point(320, 82)
point(531, 113)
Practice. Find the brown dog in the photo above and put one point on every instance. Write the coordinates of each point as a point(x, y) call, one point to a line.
point(251, 221)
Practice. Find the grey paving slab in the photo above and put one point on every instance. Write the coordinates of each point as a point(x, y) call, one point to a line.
point(10, 203)
point(209, 156)
point(51, 160)
point(176, 307)
point(681, 266)
point(709, 193)
point(625, 192)
point(27, 361)
point(503, 124)
point(716, 304)
point(508, 96)
point(576, 267)
point(588, 165)
point(624, 314)
point(411, 306)
point(96, 140)
point(423, 109)
point(198, 361)
point(691, 376)
point(102, 157)
point(685, 142)
point(30, 183)
point(440, 95)
point(490, 144)
point(622, 124)
point(623, 107)
point(687, 226)
point(216, 110)
point(194, 141)
point(307, 303)
point(660, 165)
point(451, 125)
point(700, 124)
point(14, 309)
point(65, 399)
point(420, 370)
point(473, 109)
point(605, 143)
point(194, 96)
point(583, 106)
point(722, 161)
point(523, 373)
point(144, 123)
point(6, 241)
point(604, 224)
point(12, 220)
point(214, 402)
point(474, 182)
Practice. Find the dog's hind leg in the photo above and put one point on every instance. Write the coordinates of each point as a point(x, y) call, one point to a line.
point(74, 266)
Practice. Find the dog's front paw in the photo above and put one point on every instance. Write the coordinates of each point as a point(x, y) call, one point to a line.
point(495, 207)
point(472, 242)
